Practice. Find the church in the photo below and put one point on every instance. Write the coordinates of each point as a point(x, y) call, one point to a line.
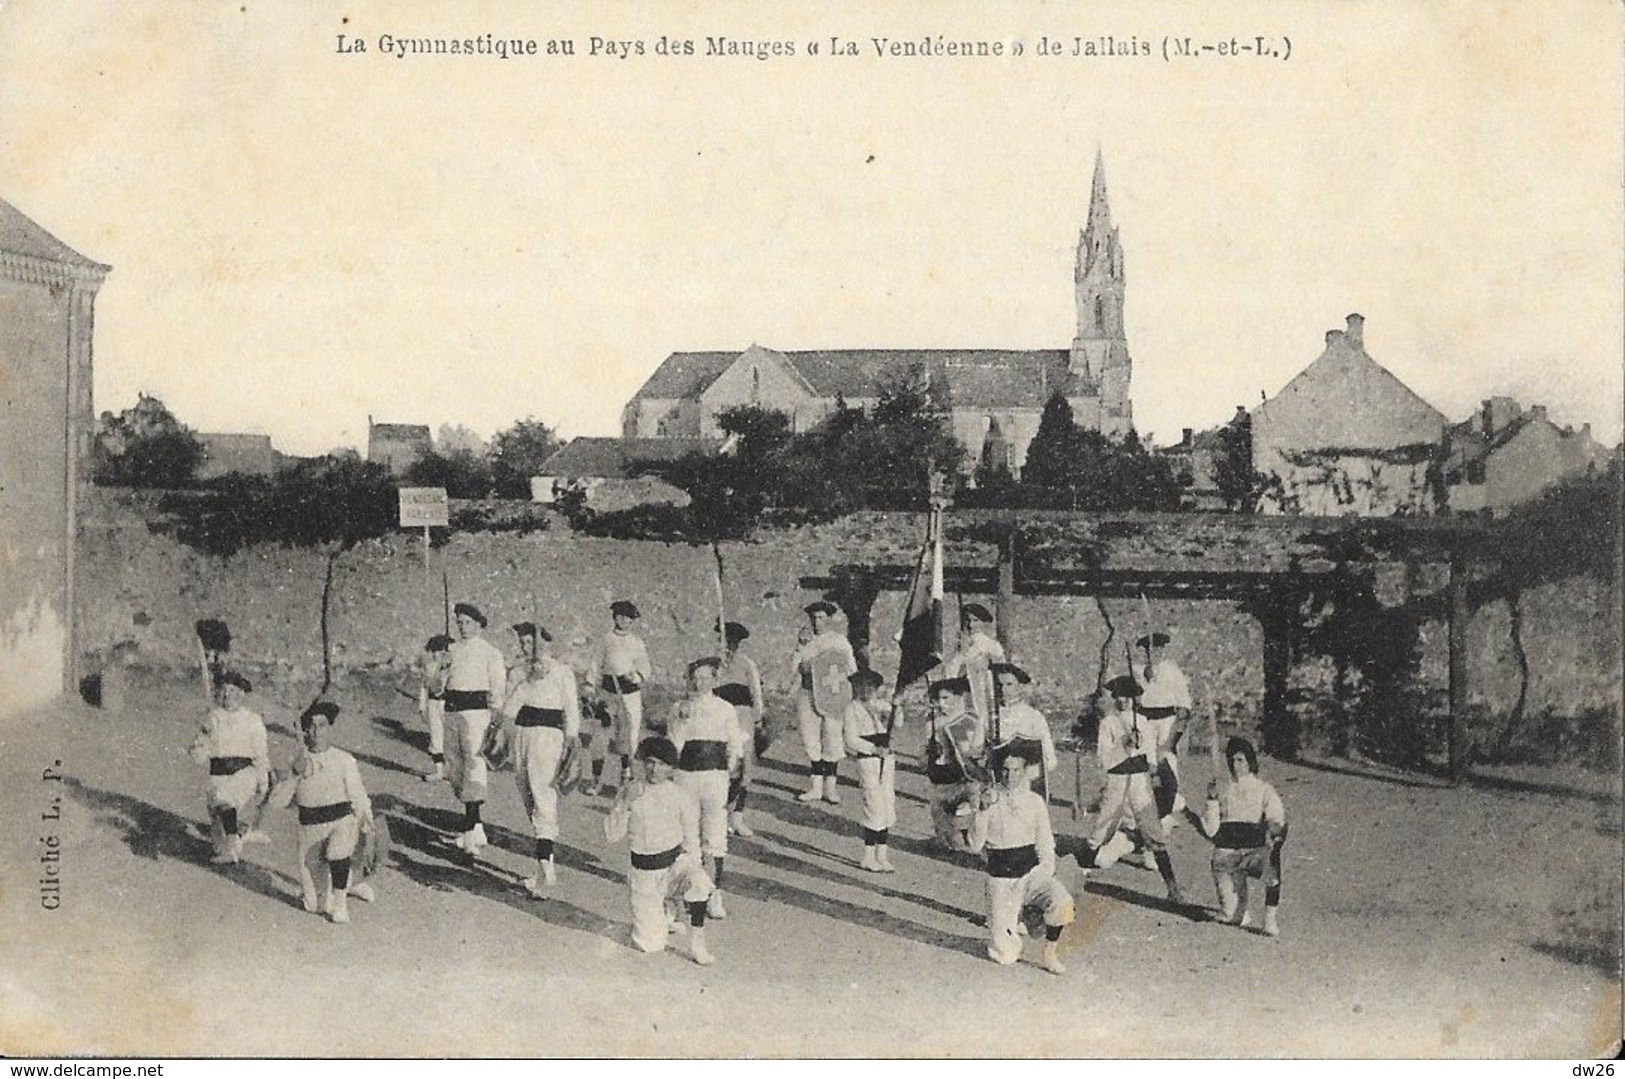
point(996, 396)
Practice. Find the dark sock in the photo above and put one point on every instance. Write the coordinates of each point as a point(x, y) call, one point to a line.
point(1272, 895)
point(884, 835)
point(471, 814)
point(438, 758)
point(1052, 933)
point(871, 837)
point(716, 878)
point(228, 820)
point(341, 873)
point(544, 849)
point(739, 803)
point(1165, 866)
point(1085, 855)
point(626, 763)
point(696, 914)
point(597, 770)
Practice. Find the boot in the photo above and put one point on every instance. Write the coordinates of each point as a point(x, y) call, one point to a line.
point(696, 946)
point(1114, 849)
point(231, 851)
point(1229, 903)
point(363, 891)
point(476, 839)
point(736, 822)
point(1051, 960)
point(1272, 928)
point(338, 908)
point(832, 792)
point(883, 857)
point(1175, 895)
point(816, 791)
point(871, 861)
point(550, 874)
point(674, 917)
point(713, 906)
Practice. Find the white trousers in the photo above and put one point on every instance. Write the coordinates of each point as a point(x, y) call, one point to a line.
point(320, 844)
point(536, 755)
point(821, 736)
point(711, 789)
point(1007, 897)
point(877, 778)
point(466, 769)
point(434, 714)
point(651, 888)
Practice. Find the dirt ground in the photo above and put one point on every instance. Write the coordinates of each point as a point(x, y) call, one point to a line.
point(1418, 920)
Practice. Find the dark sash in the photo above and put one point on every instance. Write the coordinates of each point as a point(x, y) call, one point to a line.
point(664, 860)
point(735, 693)
point(531, 716)
point(1239, 835)
point(1158, 711)
point(944, 773)
point(324, 814)
point(229, 766)
point(1130, 767)
point(703, 755)
point(618, 683)
point(467, 700)
point(880, 741)
point(1011, 862)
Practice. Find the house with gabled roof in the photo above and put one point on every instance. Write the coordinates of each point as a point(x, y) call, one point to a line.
point(1346, 436)
point(995, 396)
point(1504, 455)
point(47, 421)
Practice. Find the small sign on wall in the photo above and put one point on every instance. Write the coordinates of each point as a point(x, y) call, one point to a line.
point(424, 507)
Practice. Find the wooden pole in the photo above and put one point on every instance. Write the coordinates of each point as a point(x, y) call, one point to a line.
point(1459, 615)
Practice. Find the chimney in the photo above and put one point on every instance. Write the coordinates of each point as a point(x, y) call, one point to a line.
point(1585, 431)
point(1356, 331)
point(1537, 412)
point(1333, 337)
point(1185, 437)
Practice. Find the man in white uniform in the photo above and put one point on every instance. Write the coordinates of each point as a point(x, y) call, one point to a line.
point(739, 682)
point(1165, 703)
point(545, 707)
point(325, 787)
point(662, 821)
point(619, 669)
point(1019, 719)
point(705, 730)
point(868, 730)
point(820, 671)
point(232, 745)
point(1248, 826)
point(952, 752)
point(476, 682)
point(978, 652)
point(1013, 827)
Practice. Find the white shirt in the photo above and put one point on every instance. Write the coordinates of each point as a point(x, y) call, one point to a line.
point(1018, 719)
point(974, 661)
point(621, 654)
point(1115, 742)
point(662, 816)
point(235, 733)
point(829, 640)
point(1016, 818)
point(862, 720)
point(1249, 800)
point(707, 718)
point(478, 666)
point(322, 779)
point(740, 669)
point(1166, 687)
point(552, 686)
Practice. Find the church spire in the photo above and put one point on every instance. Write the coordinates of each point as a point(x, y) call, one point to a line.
point(1100, 350)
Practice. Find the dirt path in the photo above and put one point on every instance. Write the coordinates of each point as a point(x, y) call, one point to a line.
point(1418, 921)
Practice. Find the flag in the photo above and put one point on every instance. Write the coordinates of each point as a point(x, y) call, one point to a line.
point(921, 638)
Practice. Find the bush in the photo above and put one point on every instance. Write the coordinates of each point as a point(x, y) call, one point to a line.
point(145, 446)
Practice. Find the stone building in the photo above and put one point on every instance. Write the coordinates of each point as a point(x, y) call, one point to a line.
point(397, 446)
point(1503, 456)
point(228, 452)
point(1346, 436)
point(611, 472)
point(995, 395)
point(47, 315)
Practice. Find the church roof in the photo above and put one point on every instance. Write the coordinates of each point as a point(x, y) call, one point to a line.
point(976, 378)
point(401, 432)
point(20, 236)
point(614, 458)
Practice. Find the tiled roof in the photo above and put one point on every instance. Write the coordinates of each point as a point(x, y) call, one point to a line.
point(613, 458)
point(976, 378)
point(686, 374)
point(20, 236)
point(401, 432)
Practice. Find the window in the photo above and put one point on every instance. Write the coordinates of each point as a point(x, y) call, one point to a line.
point(1100, 313)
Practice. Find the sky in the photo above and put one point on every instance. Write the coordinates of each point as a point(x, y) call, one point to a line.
point(301, 238)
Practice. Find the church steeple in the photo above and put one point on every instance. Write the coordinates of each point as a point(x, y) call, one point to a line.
point(1100, 349)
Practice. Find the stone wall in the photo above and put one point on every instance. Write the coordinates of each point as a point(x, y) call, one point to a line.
point(144, 588)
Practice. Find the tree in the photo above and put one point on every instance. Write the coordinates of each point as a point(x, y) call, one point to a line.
point(145, 446)
point(518, 453)
point(1049, 454)
point(1071, 467)
point(1239, 485)
point(455, 437)
point(759, 431)
point(460, 472)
